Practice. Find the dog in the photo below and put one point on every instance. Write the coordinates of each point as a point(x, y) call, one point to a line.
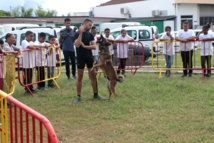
point(106, 65)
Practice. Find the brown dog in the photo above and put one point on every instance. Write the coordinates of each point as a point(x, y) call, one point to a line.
point(106, 65)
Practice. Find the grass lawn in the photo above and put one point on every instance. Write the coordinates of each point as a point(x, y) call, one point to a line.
point(147, 110)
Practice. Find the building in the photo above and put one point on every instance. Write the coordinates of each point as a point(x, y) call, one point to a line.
point(160, 13)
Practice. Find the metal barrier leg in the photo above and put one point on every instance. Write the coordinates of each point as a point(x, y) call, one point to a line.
point(160, 73)
point(28, 90)
point(54, 80)
point(99, 75)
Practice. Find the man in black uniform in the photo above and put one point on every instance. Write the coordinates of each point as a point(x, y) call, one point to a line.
point(84, 42)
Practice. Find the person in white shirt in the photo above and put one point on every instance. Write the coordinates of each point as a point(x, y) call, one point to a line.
point(110, 38)
point(168, 49)
point(28, 61)
point(122, 50)
point(10, 47)
point(206, 49)
point(185, 36)
point(95, 51)
point(41, 60)
point(51, 59)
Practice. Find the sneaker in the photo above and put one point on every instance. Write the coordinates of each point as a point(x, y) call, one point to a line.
point(69, 78)
point(184, 75)
point(190, 75)
point(98, 97)
point(207, 75)
point(33, 91)
point(77, 100)
point(74, 77)
point(39, 88)
point(43, 88)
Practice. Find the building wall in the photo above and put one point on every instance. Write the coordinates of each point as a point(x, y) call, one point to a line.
point(188, 10)
point(137, 9)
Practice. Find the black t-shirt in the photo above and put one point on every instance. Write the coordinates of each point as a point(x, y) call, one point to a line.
point(86, 39)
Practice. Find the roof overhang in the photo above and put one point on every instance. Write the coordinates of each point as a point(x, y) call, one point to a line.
point(195, 1)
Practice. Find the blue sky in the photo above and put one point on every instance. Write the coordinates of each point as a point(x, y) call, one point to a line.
point(62, 8)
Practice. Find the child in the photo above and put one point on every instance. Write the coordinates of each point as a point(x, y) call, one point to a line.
point(110, 38)
point(51, 59)
point(1, 47)
point(95, 52)
point(206, 49)
point(28, 59)
point(1, 66)
point(168, 49)
point(122, 50)
point(41, 60)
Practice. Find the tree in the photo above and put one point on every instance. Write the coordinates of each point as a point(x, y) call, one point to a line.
point(51, 13)
point(26, 12)
point(69, 14)
point(15, 12)
point(4, 13)
point(40, 12)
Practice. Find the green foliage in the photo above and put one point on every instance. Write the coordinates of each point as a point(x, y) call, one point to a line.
point(4, 13)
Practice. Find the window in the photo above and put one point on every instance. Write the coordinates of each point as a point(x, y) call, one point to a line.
point(205, 20)
point(115, 34)
point(144, 35)
point(23, 38)
point(132, 33)
point(3, 38)
point(187, 18)
point(47, 37)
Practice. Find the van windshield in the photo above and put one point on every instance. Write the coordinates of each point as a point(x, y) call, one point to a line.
point(1, 31)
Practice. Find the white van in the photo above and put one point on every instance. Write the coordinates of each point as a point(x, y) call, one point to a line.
point(20, 35)
point(1, 30)
point(114, 25)
point(144, 34)
point(12, 27)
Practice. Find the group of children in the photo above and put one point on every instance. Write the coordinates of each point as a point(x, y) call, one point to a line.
point(186, 38)
point(35, 55)
point(122, 47)
point(39, 55)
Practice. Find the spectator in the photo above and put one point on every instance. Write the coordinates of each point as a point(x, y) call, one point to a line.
point(66, 40)
point(51, 60)
point(9, 47)
point(110, 38)
point(185, 36)
point(41, 60)
point(168, 49)
point(206, 49)
point(84, 42)
point(122, 50)
point(95, 51)
point(28, 59)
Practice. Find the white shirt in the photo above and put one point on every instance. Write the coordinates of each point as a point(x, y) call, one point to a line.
point(28, 59)
point(206, 46)
point(211, 32)
point(122, 48)
point(186, 46)
point(95, 52)
point(41, 54)
point(51, 59)
point(111, 50)
point(168, 47)
point(8, 48)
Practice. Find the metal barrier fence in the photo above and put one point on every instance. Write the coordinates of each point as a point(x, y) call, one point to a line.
point(19, 123)
point(39, 66)
point(7, 73)
point(184, 56)
point(127, 56)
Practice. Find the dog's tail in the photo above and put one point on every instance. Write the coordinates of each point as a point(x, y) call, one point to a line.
point(120, 78)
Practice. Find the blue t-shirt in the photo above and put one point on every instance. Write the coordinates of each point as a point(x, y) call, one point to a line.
point(67, 39)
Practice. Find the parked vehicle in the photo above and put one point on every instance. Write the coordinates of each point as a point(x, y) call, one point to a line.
point(114, 25)
point(1, 30)
point(20, 35)
point(144, 34)
point(12, 27)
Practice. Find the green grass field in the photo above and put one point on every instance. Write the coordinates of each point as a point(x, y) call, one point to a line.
point(147, 110)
